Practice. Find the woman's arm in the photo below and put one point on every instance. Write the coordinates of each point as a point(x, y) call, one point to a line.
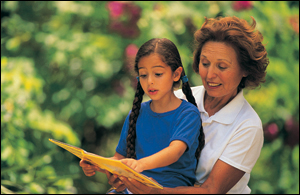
point(221, 179)
point(162, 158)
point(90, 170)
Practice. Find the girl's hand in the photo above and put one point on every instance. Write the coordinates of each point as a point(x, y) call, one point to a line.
point(88, 169)
point(136, 165)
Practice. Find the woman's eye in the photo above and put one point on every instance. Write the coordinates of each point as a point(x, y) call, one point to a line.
point(205, 64)
point(222, 67)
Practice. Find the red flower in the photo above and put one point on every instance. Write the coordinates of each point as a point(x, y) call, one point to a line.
point(294, 21)
point(242, 5)
point(292, 132)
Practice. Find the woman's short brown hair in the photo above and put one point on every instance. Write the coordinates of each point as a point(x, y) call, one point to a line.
point(245, 40)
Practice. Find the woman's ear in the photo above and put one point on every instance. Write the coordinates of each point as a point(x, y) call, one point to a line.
point(177, 74)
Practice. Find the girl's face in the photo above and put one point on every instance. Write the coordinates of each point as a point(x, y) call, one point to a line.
point(156, 77)
point(219, 69)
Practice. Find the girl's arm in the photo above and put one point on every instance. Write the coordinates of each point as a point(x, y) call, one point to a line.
point(162, 158)
point(221, 179)
point(117, 156)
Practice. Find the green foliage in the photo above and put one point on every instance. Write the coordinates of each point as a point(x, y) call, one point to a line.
point(66, 74)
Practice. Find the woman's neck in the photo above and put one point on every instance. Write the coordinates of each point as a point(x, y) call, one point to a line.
point(166, 104)
point(213, 104)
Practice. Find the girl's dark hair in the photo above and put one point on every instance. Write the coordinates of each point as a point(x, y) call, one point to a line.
point(170, 56)
point(245, 40)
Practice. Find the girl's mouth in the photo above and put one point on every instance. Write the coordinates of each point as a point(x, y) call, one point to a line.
point(152, 91)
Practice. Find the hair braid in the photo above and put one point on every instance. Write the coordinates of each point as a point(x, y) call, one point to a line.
point(132, 121)
point(186, 89)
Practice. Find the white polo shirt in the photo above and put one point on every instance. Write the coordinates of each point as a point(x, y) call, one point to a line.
point(234, 135)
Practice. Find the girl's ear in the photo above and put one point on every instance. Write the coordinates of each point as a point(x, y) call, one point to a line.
point(177, 74)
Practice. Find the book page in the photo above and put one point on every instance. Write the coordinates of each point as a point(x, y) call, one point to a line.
point(113, 166)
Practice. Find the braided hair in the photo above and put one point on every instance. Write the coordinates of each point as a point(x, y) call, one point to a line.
point(169, 55)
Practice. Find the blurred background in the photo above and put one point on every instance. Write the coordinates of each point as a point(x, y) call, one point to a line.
point(66, 74)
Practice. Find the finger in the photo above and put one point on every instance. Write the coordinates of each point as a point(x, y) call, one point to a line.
point(125, 161)
point(83, 163)
point(121, 188)
point(130, 186)
point(113, 180)
point(89, 173)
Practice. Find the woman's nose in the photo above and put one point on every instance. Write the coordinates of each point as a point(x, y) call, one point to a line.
point(211, 72)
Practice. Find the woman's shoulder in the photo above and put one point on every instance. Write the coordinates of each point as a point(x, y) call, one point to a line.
point(197, 91)
point(247, 112)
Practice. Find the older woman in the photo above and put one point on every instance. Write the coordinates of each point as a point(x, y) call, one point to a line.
point(229, 56)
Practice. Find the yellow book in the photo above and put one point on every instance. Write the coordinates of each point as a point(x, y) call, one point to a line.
point(113, 166)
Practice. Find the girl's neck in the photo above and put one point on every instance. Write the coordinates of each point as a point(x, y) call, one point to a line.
point(165, 105)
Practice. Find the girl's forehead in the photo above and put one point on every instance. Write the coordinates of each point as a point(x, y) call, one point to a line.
point(151, 61)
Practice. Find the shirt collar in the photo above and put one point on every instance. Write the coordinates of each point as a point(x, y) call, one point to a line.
point(229, 112)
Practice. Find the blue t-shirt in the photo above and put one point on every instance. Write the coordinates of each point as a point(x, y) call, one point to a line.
point(155, 131)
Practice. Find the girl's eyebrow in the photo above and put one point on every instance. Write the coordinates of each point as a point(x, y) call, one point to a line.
point(218, 59)
point(157, 66)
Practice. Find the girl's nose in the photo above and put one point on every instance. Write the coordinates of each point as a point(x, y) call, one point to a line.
point(150, 79)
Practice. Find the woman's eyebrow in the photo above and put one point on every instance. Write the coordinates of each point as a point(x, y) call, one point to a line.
point(158, 66)
point(218, 59)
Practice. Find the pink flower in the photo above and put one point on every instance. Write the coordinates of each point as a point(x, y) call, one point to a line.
point(242, 5)
point(131, 50)
point(115, 8)
point(271, 131)
point(118, 86)
point(123, 18)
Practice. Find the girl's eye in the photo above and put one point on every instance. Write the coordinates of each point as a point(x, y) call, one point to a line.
point(143, 76)
point(158, 74)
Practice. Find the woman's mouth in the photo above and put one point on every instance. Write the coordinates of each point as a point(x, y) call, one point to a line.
point(213, 85)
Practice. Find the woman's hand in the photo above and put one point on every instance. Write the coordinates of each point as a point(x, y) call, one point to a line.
point(89, 169)
point(114, 181)
point(137, 187)
point(136, 165)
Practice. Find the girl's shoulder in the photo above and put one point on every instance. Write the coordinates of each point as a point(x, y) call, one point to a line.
point(188, 107)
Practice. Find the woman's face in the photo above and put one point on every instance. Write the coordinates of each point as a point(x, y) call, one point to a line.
point(219, 69)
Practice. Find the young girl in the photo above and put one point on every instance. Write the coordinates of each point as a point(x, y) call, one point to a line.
point(163, 137)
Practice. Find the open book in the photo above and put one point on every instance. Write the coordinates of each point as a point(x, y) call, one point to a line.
point(113, 166)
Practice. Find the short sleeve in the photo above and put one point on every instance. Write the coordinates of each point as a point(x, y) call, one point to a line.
point(121, 147)
point(187, 128)
point(244, 148)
